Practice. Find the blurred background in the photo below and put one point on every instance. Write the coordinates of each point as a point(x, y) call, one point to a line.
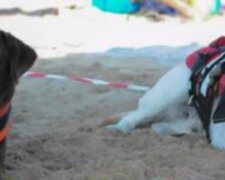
point(124, 27)
point(56, 133)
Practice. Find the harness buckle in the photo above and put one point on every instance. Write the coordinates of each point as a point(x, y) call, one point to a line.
point(190, 100)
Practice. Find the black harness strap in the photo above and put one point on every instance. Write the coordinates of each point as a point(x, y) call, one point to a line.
point(200, 70)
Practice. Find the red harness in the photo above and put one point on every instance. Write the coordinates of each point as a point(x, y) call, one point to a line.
point(212, 52)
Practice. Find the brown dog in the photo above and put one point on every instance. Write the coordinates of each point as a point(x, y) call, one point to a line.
point(15, 59)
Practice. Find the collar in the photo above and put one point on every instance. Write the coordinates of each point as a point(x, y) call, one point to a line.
point(4, 109)
point(5, 121)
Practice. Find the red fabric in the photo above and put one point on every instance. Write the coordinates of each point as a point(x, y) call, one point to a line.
point(194, 56)
point(218, 42)
point(210, 49)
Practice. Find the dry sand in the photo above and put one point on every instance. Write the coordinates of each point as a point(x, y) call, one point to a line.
point(55, 135)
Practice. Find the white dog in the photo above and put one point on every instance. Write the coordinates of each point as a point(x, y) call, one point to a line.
point(168, 99)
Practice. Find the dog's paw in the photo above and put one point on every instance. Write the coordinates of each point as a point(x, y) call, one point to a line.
point(175, 128)
point(217, 135)
point(116, 128)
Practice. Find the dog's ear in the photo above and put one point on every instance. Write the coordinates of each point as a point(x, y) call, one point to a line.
point(21, 56)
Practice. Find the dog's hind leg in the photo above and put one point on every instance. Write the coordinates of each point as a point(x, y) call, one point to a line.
point(171, 89)
point(177, 127)
point(183, 125)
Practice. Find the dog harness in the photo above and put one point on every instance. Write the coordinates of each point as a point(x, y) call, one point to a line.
point(207, 82)
point(5, 121)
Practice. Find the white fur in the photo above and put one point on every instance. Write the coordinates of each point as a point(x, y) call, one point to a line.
point(169, 97)
point(217, 130)
point(217, 135)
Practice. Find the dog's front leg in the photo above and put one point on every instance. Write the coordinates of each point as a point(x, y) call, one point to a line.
point(171, 89)
point(217, 135)
point(2, 159)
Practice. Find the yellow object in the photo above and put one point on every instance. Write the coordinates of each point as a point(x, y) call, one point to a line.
point(181, 6)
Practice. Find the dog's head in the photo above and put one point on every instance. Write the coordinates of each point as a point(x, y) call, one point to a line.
point(15, 59)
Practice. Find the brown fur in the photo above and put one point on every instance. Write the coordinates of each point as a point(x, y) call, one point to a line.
point(15, 58)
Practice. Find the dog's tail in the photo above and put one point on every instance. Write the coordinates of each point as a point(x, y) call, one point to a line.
point(112, 119)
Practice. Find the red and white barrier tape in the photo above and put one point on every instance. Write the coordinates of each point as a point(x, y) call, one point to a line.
point(116, 85)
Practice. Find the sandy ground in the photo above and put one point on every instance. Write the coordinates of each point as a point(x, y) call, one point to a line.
point(56, 134)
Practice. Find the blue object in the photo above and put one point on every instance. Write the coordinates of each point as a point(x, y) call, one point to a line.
point(153, 5)
point(117, 6)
